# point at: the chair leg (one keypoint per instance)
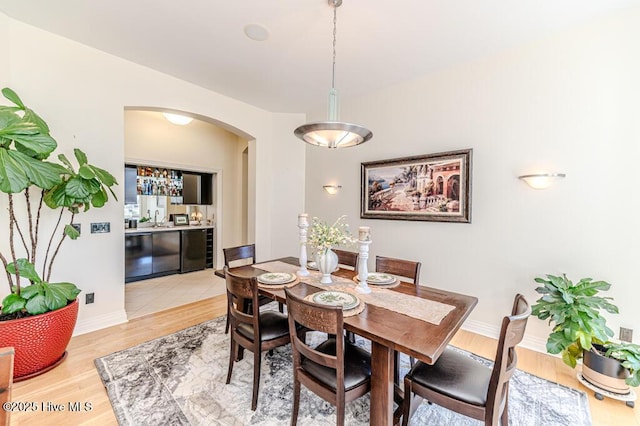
(228, 324)
(232, 358)
(406, 404)
(256, 378)
(505, 413)
(340, 413)
(351, 337)
(396, 367)
(296, 401)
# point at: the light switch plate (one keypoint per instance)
(100, 227)
(626, 334)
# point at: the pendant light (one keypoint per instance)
(333, 133)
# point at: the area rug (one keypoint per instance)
(180, 380)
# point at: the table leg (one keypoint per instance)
(381, 412)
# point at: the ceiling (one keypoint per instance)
(379, 43)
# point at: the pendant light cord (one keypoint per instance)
(333, 133)
(333, 71)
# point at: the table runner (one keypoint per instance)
(423, 309)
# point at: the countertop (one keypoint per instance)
(165, 228)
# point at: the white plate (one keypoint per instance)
(276, 278)
(336, 298)
(380, 278)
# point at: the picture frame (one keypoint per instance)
(180, 219)
(431, 187)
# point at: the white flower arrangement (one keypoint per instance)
(323, 237)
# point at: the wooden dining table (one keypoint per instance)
(388, 331)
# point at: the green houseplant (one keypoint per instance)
(574, 310)
(30, 183)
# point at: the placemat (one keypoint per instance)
(423, 309)
(345, 313)
(394, 284)
(279, 286)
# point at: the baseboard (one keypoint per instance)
(100, 322)
(530, 342)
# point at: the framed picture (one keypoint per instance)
(180, 219)
(433, 187)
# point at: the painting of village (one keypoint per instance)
(432, 187)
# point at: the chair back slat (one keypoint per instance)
(347, 258)
(245, 252)
(403, 268)
(240, 290)
(315, 317)
(511, 334)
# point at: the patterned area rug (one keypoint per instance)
(180, 380)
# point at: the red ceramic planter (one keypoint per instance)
(40, 341)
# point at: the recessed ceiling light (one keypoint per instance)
(256, 32)
(180, 120)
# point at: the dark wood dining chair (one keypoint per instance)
(6, 382)
(243, 255)
(335, 370)
(399, 267)
(256, 331)
(347, 258)
(466, 386)
(406, 269)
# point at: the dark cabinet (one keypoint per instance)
(166, 251)
(206, 189)
(158, 253)
(197, 188)
(138, 251)
(194, 250)
(210, 246)
(130, 185)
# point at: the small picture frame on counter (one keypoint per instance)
(181, 220)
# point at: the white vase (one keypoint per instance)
(327, 262)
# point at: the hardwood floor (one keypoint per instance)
(77, 380)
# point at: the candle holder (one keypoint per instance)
(363, 272)
(303, 224)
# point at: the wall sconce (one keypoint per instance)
(332, 189)
(541, 180)
(180, 120)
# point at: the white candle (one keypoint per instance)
(363, 233)
(302, 219)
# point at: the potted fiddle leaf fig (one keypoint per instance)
(580, 331)
(31, 185)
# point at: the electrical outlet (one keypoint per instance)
(77, 227)
(100, 227)
(89, 298)
(626, 334)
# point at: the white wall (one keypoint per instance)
(565, 104)
(4, 35)
(82, 93)
(288, 179)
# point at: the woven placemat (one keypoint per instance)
(394, 284)
(348, 313)
(279, 286)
